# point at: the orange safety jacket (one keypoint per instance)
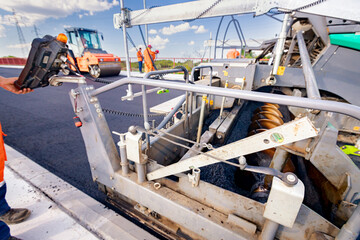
(2, 155)
(147, 60)
(139, 56)
(232, 54)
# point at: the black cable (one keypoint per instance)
(131, 41)
(143, 38)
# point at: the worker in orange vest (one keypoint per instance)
(149, 57)
(8, 215)
(233, 53)
(140, 59)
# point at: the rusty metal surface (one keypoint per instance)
(335, 165)
(228, 202)
(192, 215)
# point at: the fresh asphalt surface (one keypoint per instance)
(40, 125)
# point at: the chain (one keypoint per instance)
(205, 11)
(309, 5)
(126, 114)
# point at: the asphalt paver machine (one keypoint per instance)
(194, 176)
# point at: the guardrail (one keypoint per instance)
(12, 61)
(161, 63)
(166, 63)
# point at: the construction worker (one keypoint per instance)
(149, 57)
(140, 59)
(8, 215)
(233, 53)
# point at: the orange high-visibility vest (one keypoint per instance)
(232, 54)
(139, 56)
(148, 63)
(2, 155)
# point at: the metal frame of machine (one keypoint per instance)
(185, 207)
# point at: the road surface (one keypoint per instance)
(40, 125)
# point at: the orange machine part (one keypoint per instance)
(94, 59)
(62, 38)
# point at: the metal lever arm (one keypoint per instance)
(288, 177)
(290, 132)
(59, 80)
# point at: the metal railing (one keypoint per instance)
(162, 63)
(12, 61)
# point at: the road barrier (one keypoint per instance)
(12, 61)
(166, 63)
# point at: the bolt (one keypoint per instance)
(242, 160)
(111, 177)
(87, 88)
(98, 110)
(96, 105)
(93, 99)
(290, 178)
(91, 87)
(93, 168)
(100, 115)
(113, 188)
(307, 149)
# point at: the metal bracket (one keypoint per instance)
(122, 18)
(59, 80)
(194, 177)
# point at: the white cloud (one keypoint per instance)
(19, 46)
(2, 31)
(158, 42)
(133, 50)
(183, 27)
(191, 43)
(175, 29)
(201, 29)
(31, 11)
(152, 31)
(67, 26)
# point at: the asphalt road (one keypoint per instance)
(40, 125)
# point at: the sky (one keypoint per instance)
(173, 39)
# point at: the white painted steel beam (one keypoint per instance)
(209, 8)
(290, 132)
(347, 9)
